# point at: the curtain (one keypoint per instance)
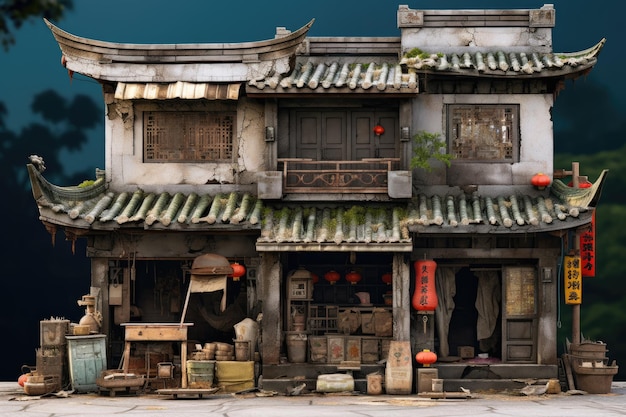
(488, 300)
(446, 290)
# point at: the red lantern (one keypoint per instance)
(540, 180)
(378, 130)
(581, 184)
(387, 278)
(332, 277)
(315, 278)
(426, 357)
(425, 293)
(238, 271)
(353, 277)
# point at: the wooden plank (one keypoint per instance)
(568, 372)
(187, 392)
(444, 395)
(156, 332)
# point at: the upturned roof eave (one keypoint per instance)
(109, 61)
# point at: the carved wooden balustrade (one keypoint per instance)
(369, 175)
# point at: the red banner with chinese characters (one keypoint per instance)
(588, 249)
(425, 293)
(573, 280)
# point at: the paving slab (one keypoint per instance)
(13, 402)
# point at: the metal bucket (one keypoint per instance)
(296, 347)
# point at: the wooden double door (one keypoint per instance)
(343, 135)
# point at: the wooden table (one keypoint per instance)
(157, 332)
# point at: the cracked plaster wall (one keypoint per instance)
(124, 148)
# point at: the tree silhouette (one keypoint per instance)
(14, 13)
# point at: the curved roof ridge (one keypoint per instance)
(62, 35)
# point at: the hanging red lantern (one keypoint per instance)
(332, 277)
(378, 130)
(315, 278)
(540, 180)
(425, 293)
(238, 271)
(426, 357)
(353, 277)
(387, 278)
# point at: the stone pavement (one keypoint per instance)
(13, 402)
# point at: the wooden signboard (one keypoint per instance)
(573, 280)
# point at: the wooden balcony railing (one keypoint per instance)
(302, 175)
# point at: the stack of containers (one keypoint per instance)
(591, 367)
(51, 355)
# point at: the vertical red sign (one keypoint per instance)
(588, 249)
(425, 294)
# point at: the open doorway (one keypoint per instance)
(475, 321)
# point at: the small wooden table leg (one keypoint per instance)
(183, 364)
(126, 357)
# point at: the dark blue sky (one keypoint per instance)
(33, 64)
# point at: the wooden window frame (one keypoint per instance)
(188, 136)
(464, 148)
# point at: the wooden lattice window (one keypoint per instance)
(188, 136)
(484, 132)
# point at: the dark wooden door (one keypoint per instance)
(343, 135)
(365, 143)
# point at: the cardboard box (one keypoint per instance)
(466, 352)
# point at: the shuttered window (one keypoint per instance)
(188, 136)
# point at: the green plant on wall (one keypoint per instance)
(427, 146)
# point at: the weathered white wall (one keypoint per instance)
(124, 148)
(536, 138)
(439, 31)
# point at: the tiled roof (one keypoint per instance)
(96, 208)
(502, 62)
(315, 75)
(318, 74)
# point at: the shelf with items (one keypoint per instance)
(299, 293)
(337, 348)
(323, 319)
(351, 320)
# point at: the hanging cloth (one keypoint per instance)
(446, 290)
(488, 299)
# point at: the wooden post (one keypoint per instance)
(576, 307)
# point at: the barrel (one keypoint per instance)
(296, 347)
(200, 374)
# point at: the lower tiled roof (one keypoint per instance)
(96, 208)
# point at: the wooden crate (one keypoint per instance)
(318, 349)
(353, 349)
(336, 348)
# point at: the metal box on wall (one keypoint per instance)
(87, 359)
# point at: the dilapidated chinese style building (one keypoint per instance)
(296, 158)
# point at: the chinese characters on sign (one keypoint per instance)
(573, 280)
(425, 294)
(588, 249)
